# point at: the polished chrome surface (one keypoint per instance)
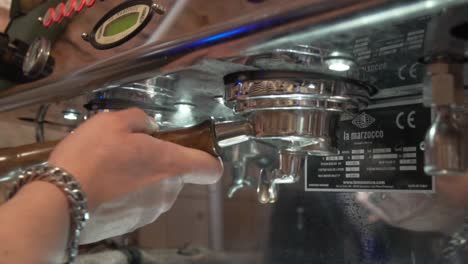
(299, 110)
(291, 168)
(161, 98)
(155, 97)
(155, 94)
(239, 180)
(266, 191)
(259, 165)
(230, 133)
(340, 62)
(319, 94)
(302, 57)
(275, 27)
(295, 130)
(246, 161)
(10, 176)
(446, 143)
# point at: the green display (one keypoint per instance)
(121, 24)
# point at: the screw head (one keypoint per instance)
(158, 8)
(85, 36)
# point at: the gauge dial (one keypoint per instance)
(122, 23)
(36, 57)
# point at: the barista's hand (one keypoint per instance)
(129, 177)
(443, 211)
(112, 155)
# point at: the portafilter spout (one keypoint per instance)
(291, 168)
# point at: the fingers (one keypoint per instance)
(194, 166)
(136, 120)
(209, 169)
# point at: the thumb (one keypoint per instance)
(136, 120)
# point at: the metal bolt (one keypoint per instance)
(158, 8)
(85, 36)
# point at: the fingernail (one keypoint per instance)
(153, 125)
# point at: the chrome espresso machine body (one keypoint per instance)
(337, 98)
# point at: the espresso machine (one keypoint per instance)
(331, 97)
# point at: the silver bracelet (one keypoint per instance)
(77, 199)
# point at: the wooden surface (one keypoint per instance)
(199, 137)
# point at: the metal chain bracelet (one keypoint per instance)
(77, 199)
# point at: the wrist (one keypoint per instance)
(81, 176)
(66, 183)
(46, 238)
(43, 195)
(55, 196)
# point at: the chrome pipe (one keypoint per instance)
(216, 202)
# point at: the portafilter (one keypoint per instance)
(295, 110)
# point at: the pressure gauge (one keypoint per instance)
(122, 23)
(37, 57)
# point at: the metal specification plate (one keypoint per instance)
(380, 150)
(391, 54)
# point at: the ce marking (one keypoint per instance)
(411, 71)
(409, 120)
